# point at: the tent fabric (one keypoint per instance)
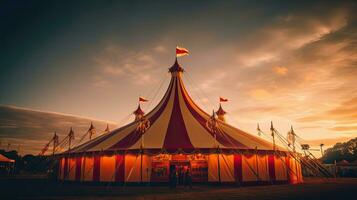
(120, 168)
(294, 172)
(178, 129)
(87, 168)
(5, 159)
(281, 168)
(107, 168)
(176, 124)
(72, 169)
(96, 168)
(271, 167)
(238, 168)
(262, 167)
(249, 168)
(231, 168)
(133, 168)
(78, 168)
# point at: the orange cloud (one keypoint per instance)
(280, 70)
(259, 94)
(344, 128)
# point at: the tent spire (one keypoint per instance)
(272, 133)
(91, 130)
(70, 137)
(107, 129)
(220, 113)
(258, 129)
(139, 113)
(176, 67)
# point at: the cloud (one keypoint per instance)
(136, 66)
(32, 129)
(343, 113)
(327, 141)
(160, 49)
(259, 94)
(280, 70)
(344, 128)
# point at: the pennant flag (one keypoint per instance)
(221, 99)
(181, 51)
(141, 99)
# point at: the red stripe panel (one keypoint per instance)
(271, 165)
(134, 136)
(78, 168)
(176, 135)
(65, 169)
(238, 174)
(222, 137)
(120, 168)
(127, 141)
(96, 168)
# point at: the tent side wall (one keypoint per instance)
(226, 168)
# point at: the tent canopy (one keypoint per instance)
(175, 124)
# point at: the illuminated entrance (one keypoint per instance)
(164, 165)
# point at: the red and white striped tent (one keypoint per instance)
(175, 136)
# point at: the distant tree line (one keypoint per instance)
(29, 163)
(341, 151)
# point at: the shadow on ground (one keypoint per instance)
(45, 189)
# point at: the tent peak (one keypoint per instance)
(176, 67)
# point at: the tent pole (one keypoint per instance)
(272, 134)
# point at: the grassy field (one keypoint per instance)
(42, 189)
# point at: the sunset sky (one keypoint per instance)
(290, 62)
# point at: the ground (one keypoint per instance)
(21, 188)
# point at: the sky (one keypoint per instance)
(290, 62)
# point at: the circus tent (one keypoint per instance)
(175, 136)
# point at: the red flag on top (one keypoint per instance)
(142, 99)
(221, 99)
(181, 51)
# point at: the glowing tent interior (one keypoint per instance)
(175, 136)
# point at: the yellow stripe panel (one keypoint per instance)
(226, 163)
(227, 167)
(132, 168)
(71, 169)
(113, 139)
(107, 168)
(246, 139)
(192, 104)
(249, 168)
(280, 168)
(199, 136)
(87, 168)
(263, 170)
(154, 137)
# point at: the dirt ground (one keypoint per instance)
(44, 189)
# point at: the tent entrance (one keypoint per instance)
(180, 168)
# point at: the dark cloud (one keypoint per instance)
(32, 129)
